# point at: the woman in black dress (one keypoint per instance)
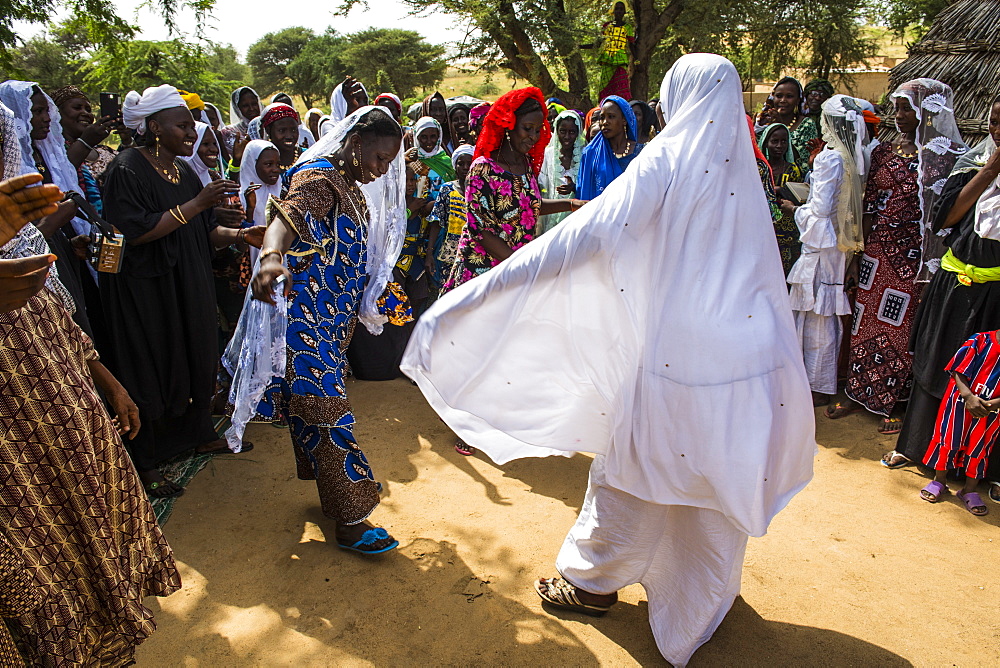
(161, 307)
(954, 306)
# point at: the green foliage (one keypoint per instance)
(139, 64)
(46, 61)
(402, 56)
(270, 56)
(906, 16)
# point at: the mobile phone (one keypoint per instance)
(110, 105)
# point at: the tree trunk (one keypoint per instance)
(650, 27)
(564, 39)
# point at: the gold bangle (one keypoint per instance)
(181, 214)
(176, 217)
(271, 251)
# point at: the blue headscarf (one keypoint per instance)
(598, 164)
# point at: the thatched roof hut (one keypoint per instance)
(962, 49)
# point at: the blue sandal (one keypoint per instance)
(371, 537)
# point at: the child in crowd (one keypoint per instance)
(447, 221)
(410, 271)
(967, 421)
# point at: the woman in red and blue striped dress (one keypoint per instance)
(967, 422)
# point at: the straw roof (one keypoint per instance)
(962, 49)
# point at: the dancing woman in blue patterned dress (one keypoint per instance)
(320, 229)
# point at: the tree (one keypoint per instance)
(97, 19)
(138, 64)
(402, 56)
(46, 61)
(903, 15)
(318, 68)
(270, 56)
(224, 61)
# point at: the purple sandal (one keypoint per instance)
(973, 503)
(933, 492)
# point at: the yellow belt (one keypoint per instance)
(967, 273)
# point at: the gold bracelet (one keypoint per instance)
(181, 214)
(178, 219)
(271, 251)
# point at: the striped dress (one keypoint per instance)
(960, 440)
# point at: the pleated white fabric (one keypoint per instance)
(819, 336)
(689, 561)
(652, 326)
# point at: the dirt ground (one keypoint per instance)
(857, 571)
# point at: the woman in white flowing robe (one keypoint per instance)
(653, 329)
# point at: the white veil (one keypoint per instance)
(939, 145)
(844, 131)
(194, 160)
(652, 326)
(386, 198)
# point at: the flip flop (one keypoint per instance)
(153, 486)
(890, 426)
(224, 450)
(994, 492)
(464, 448)
(934, 490)
(891, 455)
(371, 537)
(973, 503)
(843, 410)
(559, 593)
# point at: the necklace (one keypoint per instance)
(174, 178)
(901, 154)
(285, 168)
(628, 149)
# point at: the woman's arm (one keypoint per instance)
(559, 206)
(496, 247)
(277, 240)
(126, 412)
(209, 196)
(972, 190)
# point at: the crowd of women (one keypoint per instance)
(266, 242)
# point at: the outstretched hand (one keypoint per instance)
(21, 204)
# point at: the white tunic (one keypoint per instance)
(817, 277)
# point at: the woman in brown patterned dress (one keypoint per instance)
(72, 510)
(902, 181)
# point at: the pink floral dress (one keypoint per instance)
(499, 202)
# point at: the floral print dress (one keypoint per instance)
(500, 202)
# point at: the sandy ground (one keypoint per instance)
(857, 571)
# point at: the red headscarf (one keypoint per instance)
(756, 149)
(501, 118)
(588, 121)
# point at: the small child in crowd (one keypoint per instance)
(967, 421)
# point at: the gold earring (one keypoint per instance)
(356, 161)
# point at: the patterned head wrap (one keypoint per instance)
(392, 98)
(477, 113)
(277, 111)
(67, 93)
(502, 118)
(821, 86)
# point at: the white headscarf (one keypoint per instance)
(16, 96)
(463, 149)
(423, 123)
(338, 104)
(197, 164)
(218, 115)
(552, 171)
(236, 117)
(137, 108)
(939, 143)
(843, 126)
(249, 176)
(697, 395)
(386, 199)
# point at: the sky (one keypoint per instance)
(243, 22)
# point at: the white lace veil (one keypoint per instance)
(194, 160)
(843, 127)
(16, 95)
(938, 143)
(386, 199)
